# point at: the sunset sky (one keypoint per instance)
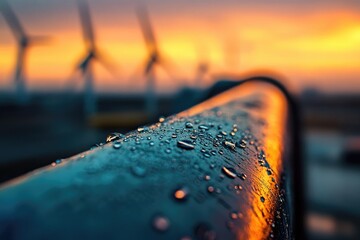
(311, 44)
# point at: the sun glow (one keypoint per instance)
(317, 46)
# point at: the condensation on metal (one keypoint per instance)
(147, 184)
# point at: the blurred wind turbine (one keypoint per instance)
(203, 66)
(85, 65)
(202, 71)
(153, 60)
(24, 41)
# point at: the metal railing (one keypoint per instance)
(220, 170)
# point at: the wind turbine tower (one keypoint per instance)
(86, 63)
(153, 60)
(24, 41)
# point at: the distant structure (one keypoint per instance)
(24, 41)
(85, 65)
(154, 59)
(202, 71)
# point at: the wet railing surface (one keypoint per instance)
(215, 171)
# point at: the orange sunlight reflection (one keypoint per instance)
(275, 114)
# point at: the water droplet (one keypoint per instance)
(242, 145)
(174, 135)
(53, 164)
(207, 155)
(189, 125)
(58, 161)
(262, 199)
(161, 223)
(229, 144)
(116, 145)
(238, 187)
(138, 171)
(207, 177)
(203, 127)
(140, 129)
(113, 136)
(211, 189)
(223, 133)
(243, 176)
(261, 155)
(151, 143)
(97, 146)
(168, 150)
(161, 119)
(268, 171)
(185, 144)
(230, 172)
(181, 194)
(234, 215)
(193, 136)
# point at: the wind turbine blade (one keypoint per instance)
(83, 63)
(138, 73)
(149, 66)
(146, 29)
(107, 64)
(12, 20)
(40, 39)
(86, 23)
(169, 67)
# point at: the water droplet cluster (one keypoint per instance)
(212, 157)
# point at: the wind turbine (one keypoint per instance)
(202, 71)
(203, 66)
(153, 60)
(85, 64)
(24, 41)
